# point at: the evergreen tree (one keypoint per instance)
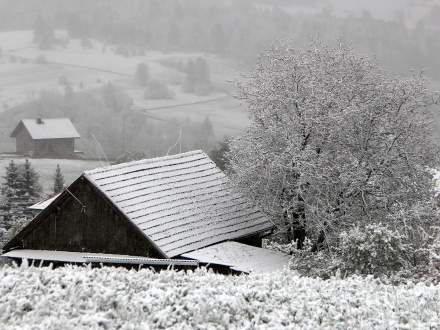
(13, 204)
(218, 37)
(207, 128)
(203, 75)
(111, 98)
(10, 179)
(142, 74)
(191, 77)
(174, 36)
(198, 77)
(28, 183)
(58, 185)
(44, 34)
(218, 154)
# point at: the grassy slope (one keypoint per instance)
(108, 298)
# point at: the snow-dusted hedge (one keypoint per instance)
(107, 298)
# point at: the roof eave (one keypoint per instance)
(56, 138)
(15, 131)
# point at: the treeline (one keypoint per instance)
(19, 189)
(236, 29)
(109, 126)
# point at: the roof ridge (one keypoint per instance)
(144, 161)
(47, 118)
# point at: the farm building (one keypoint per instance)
(173, 207)
(50, 138)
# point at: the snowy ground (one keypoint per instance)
(81, 298)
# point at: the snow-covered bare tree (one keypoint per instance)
(334, 141)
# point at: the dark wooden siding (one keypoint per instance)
(99, 228)
(253, 240)
(55, 147)
(24, 142)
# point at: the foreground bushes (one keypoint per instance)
(374, 249)
(371, 250)
(81, 298)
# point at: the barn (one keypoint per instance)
(50, 138)
(179, 207)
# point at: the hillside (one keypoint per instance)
(26, 71)
(69, 80)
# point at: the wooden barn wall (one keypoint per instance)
(98, 229)
(253, 240)
(24, 142)
(55, 147)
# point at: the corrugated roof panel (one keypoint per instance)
(181, 202)
(87, 257)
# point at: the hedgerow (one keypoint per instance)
(110, 298)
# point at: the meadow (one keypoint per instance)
(26, 71)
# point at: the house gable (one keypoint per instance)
(81, 219)
(181, 202)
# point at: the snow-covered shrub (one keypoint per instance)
(3, 237)
(7, 234)
(17, 226)
(288, 248)
(425, 260)
(109, 298)
(157, 90)
(322, 264)
(373, 249)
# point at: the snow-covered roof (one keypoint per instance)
(86, 257)
(181, 202)
(48, 128)
(43, 204)
(240, 257)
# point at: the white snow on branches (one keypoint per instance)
(108, 298)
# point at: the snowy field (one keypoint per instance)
(108, 298)
(23, 77)
(70, 168)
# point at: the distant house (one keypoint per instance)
(41, 137)
(172, 207)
